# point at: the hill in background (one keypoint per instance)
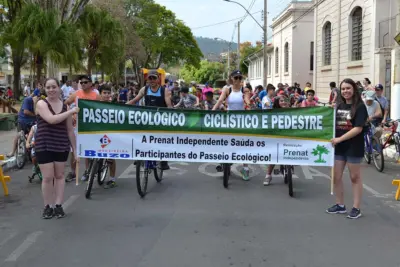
(209, 45)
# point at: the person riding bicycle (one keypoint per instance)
(154, 95)
(236, 99)
(281, 101)
(187, 101)
(375, 113)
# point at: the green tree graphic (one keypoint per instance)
(319, 151)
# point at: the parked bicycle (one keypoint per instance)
(143, 170)
(97, 168)
(393, 138)
(373, 149)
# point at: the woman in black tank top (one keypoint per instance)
(53, 140)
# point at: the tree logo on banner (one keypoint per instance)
(319, 151)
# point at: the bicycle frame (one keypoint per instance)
(368, 143)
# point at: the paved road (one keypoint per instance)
(191, 220)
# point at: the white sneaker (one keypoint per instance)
(267, 180)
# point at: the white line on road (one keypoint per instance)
(69, 201)
(29, 241)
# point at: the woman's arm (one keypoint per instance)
(350, 134)
(221, 99)
(71, 136)
(168, 101)
(29, 139)
(43, 111)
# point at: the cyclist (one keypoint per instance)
(236, 99)
(281, 101)
(154, 95)
(373, 108)
(105, 94)
(87, 92)
(187, 101)
(384, 103)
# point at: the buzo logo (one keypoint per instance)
(105, 141)
(93, 153)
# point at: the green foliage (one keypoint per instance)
(246, 50)
(208, 72)
(166, 39)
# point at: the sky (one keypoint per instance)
(197, 14)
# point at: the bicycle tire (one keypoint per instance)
(92, 173)
(290, 180)
(379, 150)
(227, 172)
(21, 144)
(158, 172)
(102, 173)
(141, 188)
(367, 155)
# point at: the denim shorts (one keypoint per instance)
(352, 160)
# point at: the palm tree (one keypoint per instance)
(102, 37)
(44, 36)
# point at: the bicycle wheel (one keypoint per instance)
(92, 173)
(377, 154)
(102, 173)
(285, 175)
(290, 180)
(141, 182)
(227, 173)
(367, 155)
(21, 151)
(158, 172)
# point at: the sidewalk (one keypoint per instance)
(6, 143)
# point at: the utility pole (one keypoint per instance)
(238, 48)
(395, 90)
(229, 59)
(265, 82)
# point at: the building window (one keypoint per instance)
(287, 57)
(327, 41)
(356, 34)
(276, 61)
(312, 56)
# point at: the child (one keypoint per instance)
(210, 102)
(268, 100)
(105, 95)
(30, 144)
(309, 101)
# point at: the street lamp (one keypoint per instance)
(264, 31)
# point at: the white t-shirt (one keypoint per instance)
(66, 91)
(267, 102)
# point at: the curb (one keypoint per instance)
(9, 164)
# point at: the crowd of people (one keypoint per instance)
(52, 109)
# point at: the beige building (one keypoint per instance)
(290, 56)
(353, 39)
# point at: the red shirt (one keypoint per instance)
(9, 93)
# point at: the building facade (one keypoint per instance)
(290, 56)
(354, 39)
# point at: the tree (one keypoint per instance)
(246, 49)
(208, 72)
(102, 37)
(319, 151)
(166, 40)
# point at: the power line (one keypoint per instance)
(249, 9)
(222, 22)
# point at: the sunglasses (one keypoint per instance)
(238, 78)
(152, 78)
(85, 82)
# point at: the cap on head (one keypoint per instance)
(236, 73)
(152, 73)
(379, 87)
(370, 95)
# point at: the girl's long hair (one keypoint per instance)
(355, 99)
(276, 100)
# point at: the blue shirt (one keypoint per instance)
(261, 96)
(123, 95)
(26, 105)
(36, 92)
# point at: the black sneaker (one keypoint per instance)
(336, 209)
(59, 212)
(48, 212)
(164, 166)
(354, 214)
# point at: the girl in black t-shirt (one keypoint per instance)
(351, 117)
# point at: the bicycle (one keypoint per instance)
(89, 172)
(393, 138)
(373, 149)
(287, 171)
(226, 169)
(21, 154)
(99, 168)
(148, 167)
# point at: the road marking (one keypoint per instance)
(29, 241)
(127, 173)
(69, 201)
(310, 173)
(202, 169)
(372, 191)
(8, 238)
(130, 172)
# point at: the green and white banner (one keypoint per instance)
(283, 136)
